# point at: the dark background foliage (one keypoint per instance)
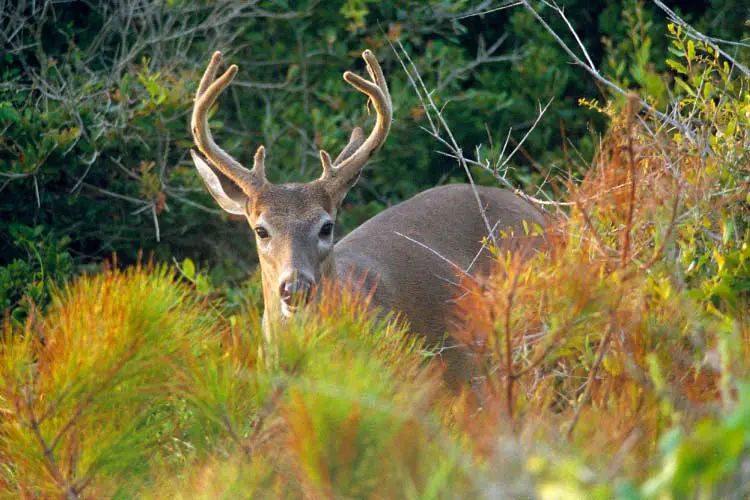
(95, 98)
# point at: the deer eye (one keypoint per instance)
(326, 230)
(261, 232)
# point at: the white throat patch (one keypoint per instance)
(286, 311)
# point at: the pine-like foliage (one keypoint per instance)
(84, 390)
(130, 385)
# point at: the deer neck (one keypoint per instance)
(328, 267)
(271, 299)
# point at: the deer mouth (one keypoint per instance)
(287, 310)
(295, 294)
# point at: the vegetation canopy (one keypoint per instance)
(612, 363)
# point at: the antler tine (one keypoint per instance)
(376, 73)
(208, 91)
(210, 74)
(325, 159)
(351, 162)
(355, 141)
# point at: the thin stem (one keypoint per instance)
(590, 381)
(595, 73)
(508, 341)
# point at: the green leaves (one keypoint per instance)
(46, 263)
(188, 269)
(677, 66)
(708, 459)
(8, 114)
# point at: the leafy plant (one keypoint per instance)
(46, 263)
(84, 390)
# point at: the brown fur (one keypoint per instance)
(402, 275)
(413, 280)
(410, 257)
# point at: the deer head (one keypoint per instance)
(294, 222)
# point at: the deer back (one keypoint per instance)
(421, 249)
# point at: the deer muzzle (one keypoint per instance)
(296, 291)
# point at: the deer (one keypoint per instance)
(409, 257)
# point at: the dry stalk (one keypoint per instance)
(630, 112)
(508, 340)
(584, 399)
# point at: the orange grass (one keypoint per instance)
(594, 340)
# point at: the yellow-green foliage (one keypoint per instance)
(345, 406)
(84, 390)
(614, 361)
(132, 385)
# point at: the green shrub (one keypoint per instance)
(84, 390)
(95, 101)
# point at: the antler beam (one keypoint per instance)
(208, 91)
(342, 173)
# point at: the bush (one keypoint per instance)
(614, 362)
(96, 98)
(85, 389)
(632, 323)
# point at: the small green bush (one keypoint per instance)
(84, 390)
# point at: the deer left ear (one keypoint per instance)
(227, 194)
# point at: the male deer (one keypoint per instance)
(408, 255)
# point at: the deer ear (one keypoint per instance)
(227, 194)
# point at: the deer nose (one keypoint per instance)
(297, 290)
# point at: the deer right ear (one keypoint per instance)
(228, 195)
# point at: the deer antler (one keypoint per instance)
(342, 173)
(355, 141)
(208, 91)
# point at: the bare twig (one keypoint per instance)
(450, 142)
(539, 116)
(482, 10)
(437, 254)
(484, 56)
(697, 35)
(584, 399)
(632, 99)
(593, 71)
